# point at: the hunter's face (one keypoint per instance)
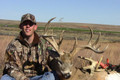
(28, 28)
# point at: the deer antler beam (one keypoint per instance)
(94, 49)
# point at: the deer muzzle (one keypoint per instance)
(67, 75)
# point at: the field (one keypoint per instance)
(110, 34)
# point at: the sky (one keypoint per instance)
(78, 11)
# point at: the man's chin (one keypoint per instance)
(28, 35)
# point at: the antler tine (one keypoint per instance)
(52, 42)
(61, 38)
(99, 63)
(91, 36)
(85, 58)
(97, 40)
(46, 26)
(75, 49)
(57, 47)
(51, 39)
(93, 46)
(95, 49)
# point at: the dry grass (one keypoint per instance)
(112, 53)
(4, 41)
(113, 39)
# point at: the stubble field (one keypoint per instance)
(112, 53)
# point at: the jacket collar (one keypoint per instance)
(36, 39)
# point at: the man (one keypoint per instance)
(25, 57)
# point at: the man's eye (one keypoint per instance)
(25, 23)
(31, 24)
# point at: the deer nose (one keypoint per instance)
(67, 75)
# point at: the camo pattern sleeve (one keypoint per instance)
(47, 47)
(12, 63)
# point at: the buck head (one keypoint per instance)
(59, 60)
(65, 65)
(62, 65)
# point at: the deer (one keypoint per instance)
(93, 67)
(60, 60)
(99, 73)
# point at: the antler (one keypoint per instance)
(94, 64)
(99, 63)
(46, 26)
(51, 39)
(93, 46)
(57, 46)
(75, 49)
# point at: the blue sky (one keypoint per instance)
(80, 11)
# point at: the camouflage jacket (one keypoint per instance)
(23, 59)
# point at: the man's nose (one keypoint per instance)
(27, 25)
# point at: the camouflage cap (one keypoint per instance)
(28, 16)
